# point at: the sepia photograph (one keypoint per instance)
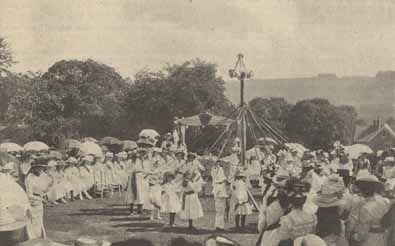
(197, 123)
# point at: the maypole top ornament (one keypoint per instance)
(240, 71)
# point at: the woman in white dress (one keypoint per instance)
(58, 191)
(240, 198)
(191, 208)
(155, 178)
(297, 223)
(36, 188)
(72, 174)
(86, 176)
(138, 185)
(171, 202)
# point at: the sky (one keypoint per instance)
(279, 38)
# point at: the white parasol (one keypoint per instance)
(35, 146)
(90, 148)
(298, 147)
(354, 151)
(149, 133)
(11, 147)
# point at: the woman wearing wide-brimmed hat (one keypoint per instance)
(155, 177)
(330, 202)
(72, 175)
(36, 188)
(369, 230)
(171, 202)
(240, 198)
(221, 196)
(298, 222)
(137, 191)
(86, 175)
(57, 193)
(191, 208)
(275, 205)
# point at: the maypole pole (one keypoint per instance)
(240, 72)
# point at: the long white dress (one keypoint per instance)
(369, 230)
(293, 225)
(58, 190)
(191, 208)
(240, 198)
(137, 185)
(14, 197)
(171, 202)
(87, 178)
(36, 187)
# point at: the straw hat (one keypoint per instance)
(281, 178)
(52, 163)
(86, 242)
(7, 222)
(331, 193)
(297, 188)
(146, 141)
(309, 240)
(88, 158)
(109, 155)
(389, 159)
(365, 176)
(122, 154)
(219, 241)
(240, 173)
(72, 160)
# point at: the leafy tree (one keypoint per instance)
(156, 98)
(274, 110)
(317, 123)
(72, 99)
(6, 58)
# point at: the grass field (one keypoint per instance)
(109, 219)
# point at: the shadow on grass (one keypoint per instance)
(141, 227)
(246, 230)
(133, 241)
(124, 219)
(185, 230)
(102, 212)
(120, 205)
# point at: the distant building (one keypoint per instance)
(377, 136)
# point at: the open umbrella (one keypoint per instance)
(35, 146)
(298, 147)
(11, 147)
(72, 144)
(89, 148)
(111, 141)
(129, 145)
(89, 139)
(149, 133)
(354, 151)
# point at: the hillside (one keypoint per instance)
(371, 96)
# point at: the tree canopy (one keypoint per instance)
(318, 124)
(6, 58)
(156, 98)
(86, 98)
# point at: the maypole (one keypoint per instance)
(240, 72)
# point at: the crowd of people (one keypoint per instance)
(323, 197)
